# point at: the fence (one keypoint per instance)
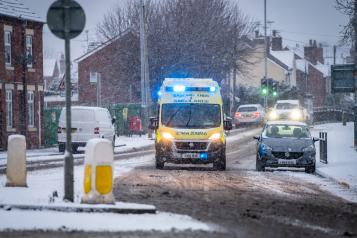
(331, 114)
(323, 147)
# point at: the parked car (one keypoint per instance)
(286, 144)
(249, 114)
(289, 110)
(87, 123)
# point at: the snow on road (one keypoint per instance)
(43, 183)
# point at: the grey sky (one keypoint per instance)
(297, 20)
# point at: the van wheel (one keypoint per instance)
(113, 142)
(159, 163)
(220, 163)
(74, 149)
(61, 147)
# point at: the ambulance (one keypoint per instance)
(190, 124)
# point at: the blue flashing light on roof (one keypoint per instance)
(179, 88)
(212, 89)
(159, 93)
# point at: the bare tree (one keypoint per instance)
(347, 8)
(196, 38)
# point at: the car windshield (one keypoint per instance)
(79, 115)
(191, 115)
(286, 106)
(248, 109)
(283, 131)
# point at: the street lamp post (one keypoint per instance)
(265, 53)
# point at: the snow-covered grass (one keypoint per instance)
(341, 155)
(40, 190)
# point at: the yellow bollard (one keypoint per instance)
(98, 172)
(16, 161)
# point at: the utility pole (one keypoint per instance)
(265, 54)
(355, 71)
(24, 79)
(334, 54)
(144, 67)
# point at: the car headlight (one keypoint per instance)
(296, 115)
(273, 115)
(215, 136)
(167, 136)
(264, 149)
(309, 148)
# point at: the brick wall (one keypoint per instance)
(120, 73)
(13, 76)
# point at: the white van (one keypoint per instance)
(87, 123)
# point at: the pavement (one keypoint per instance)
(341, 155)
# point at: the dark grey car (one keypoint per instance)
(286, 144)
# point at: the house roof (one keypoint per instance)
(19, 9)
(284, 56)
(101, 46)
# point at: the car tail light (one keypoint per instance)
(238, 114)
(256, 114)
(59, 129)
(96, 130)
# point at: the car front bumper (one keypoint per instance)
(301, 162)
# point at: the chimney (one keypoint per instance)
(62, 64)
(276, 42)
(314, 53)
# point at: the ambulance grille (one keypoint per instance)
(191, 145)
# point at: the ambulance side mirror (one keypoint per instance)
(154, 123)
(227, 124)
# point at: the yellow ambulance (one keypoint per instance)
(190, 125)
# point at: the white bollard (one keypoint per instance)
(16, 161)
(98, 172)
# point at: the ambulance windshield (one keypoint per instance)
(191, 115)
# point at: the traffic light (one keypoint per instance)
(264, 91)
(264, 86)
(274, 88)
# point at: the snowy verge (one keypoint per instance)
(341, 155)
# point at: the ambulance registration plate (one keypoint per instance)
(190, 155)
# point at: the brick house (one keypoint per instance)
(304, 71)
(115, 67)
(21, 61)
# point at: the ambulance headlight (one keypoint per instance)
(179, 88)
(296, 115)
(167, 136)
(212, 89)
(215, 136)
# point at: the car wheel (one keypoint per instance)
(61, 147)
(259, 165)
(220, 163)
(159, 163)
(310, 169)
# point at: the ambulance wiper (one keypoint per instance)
(172, 116)
(189, 118)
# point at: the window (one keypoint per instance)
(9, 108)
(30, 109)
(7, 40)
(29, 50)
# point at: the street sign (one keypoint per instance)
(342, 78)
(56, 18)
(66, 20)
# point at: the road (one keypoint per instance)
(238, 202)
